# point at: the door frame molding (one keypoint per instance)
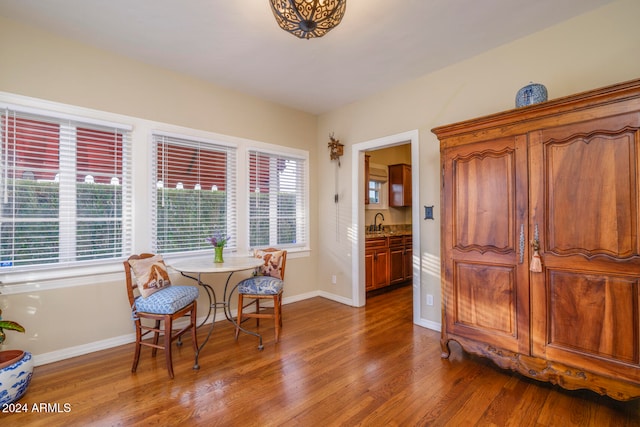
(357, 213)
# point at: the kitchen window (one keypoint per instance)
(375, 190)
(377, 187)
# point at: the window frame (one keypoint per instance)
(188, 140)
(139, 206)
(302, 203)
(47, 112)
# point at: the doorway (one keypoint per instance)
(358, 213)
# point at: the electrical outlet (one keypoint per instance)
(333, 279)
(429, 299)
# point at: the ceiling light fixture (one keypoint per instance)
(308, 18)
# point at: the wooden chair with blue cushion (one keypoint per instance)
(267, 283)
(151, 296)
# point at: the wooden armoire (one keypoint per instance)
(541, 239)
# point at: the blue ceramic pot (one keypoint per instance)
(532, 93)
(16, 369)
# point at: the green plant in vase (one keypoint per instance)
(218, 241)
(16, 367)
(9, 325)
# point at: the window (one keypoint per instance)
(375, 189)
(378, 194)
(65, 190)
(277, 200)
(194, 193)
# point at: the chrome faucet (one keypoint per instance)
(377, 227)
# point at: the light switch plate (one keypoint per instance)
(428, 212)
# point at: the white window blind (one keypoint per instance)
(194, 193)
(277, 200)
(65, 188)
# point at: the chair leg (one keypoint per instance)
(136, 356)
(276, 313)
(156, 338)
(239, 318)
(280, 304)
(167, 344)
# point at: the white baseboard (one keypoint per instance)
(79, 350)
(336, 298)
(429, 324)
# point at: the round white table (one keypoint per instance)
(195, 268)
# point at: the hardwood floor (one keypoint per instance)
(334, 365)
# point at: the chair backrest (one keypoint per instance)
(283, 263)
(132, 283)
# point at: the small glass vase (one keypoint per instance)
(217, 258)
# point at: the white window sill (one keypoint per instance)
(32, 281)
(35, 281)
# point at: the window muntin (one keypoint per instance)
(194, 193)
(63, 186)
(277, 200)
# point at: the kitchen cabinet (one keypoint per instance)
(399, 185)
(408, 258)
(388, 261)
(556, 182)
(400, 259)
(376, 261)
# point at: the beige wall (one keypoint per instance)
(39, 65)
(590, 51)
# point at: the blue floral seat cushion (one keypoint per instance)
(167, 300)
(261, 285)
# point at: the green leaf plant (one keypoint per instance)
(9, 325)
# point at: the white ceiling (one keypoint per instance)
(237, 43)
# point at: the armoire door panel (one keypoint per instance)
(592, 199)
(589, 313)
(484, 186)
(485, 297)
(585, 199)
(485, 266)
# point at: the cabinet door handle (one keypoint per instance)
(521, 248)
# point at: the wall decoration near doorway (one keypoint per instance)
(336, 150)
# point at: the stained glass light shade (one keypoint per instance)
(308, 18)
